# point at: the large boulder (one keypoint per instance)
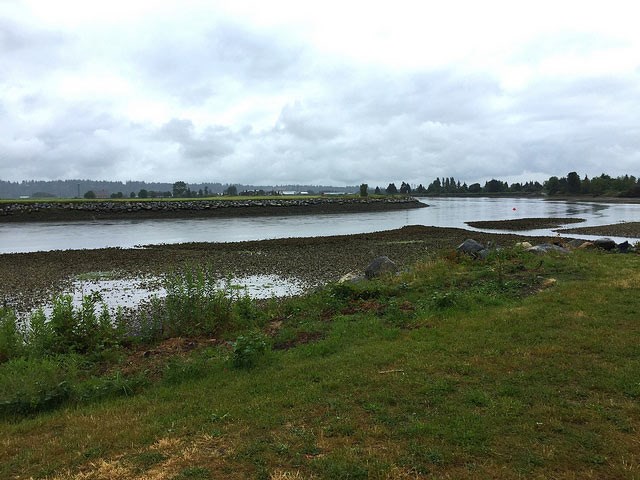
(625, 247)
(605, 244)
(473, 248)
(380, 266)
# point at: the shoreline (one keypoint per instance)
(28, 278)
(206, 208)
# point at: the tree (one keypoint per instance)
(377, 191)
(392, 189)
(405, 189)
(573, 183)
(495, 186)
(90, 194)
(552, 186)
(364, 190)
(132, 195)
(231, 191)
(180, 189)
(435, 186)
(143, 193)
(475, 188)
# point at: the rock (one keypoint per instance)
(586, 246)
(471, 247)
(352, 277)
(524, 245)
(575, 243)
(624, 247)
(548, 247)
(605, 244)
(380, 266)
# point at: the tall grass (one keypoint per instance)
(54, 359)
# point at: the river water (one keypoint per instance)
(442, 212)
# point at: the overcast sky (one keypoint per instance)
(327, 92)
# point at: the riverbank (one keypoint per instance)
(519, 366)
(28, 278)
(57, 211)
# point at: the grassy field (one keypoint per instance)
(516, 367)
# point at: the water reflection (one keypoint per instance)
(130, 293)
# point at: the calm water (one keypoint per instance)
(442, 212)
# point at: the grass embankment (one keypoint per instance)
(518, 366)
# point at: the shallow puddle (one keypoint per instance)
(131, 293)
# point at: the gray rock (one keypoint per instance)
(624, 247)
(352, 277)
(548, 247)
(575, 243)
(605, 244)
(380, 266)
(471, 247)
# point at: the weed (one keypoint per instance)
(248, 348)
(11, 339)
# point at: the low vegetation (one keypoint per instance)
(510, 367)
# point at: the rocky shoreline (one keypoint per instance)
(137, 209)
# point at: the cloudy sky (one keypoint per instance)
(326, 92)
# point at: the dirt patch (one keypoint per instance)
(626, 229)
(301, 338)
(522, 224)
(153, 360)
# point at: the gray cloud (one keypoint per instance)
(228, 101)
(212, 63)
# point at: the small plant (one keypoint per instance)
(248, 348)
(442, 300)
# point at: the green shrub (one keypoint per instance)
(71, 329)
(248, 348)
(11, 338)
(40, 337)
(195, 304)
(33, 385)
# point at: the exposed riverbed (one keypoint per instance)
(28, 278)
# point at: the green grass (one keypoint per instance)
(456, 369)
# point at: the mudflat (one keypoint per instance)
(30, 277)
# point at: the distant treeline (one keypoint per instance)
(137, 189)
(572, 184)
